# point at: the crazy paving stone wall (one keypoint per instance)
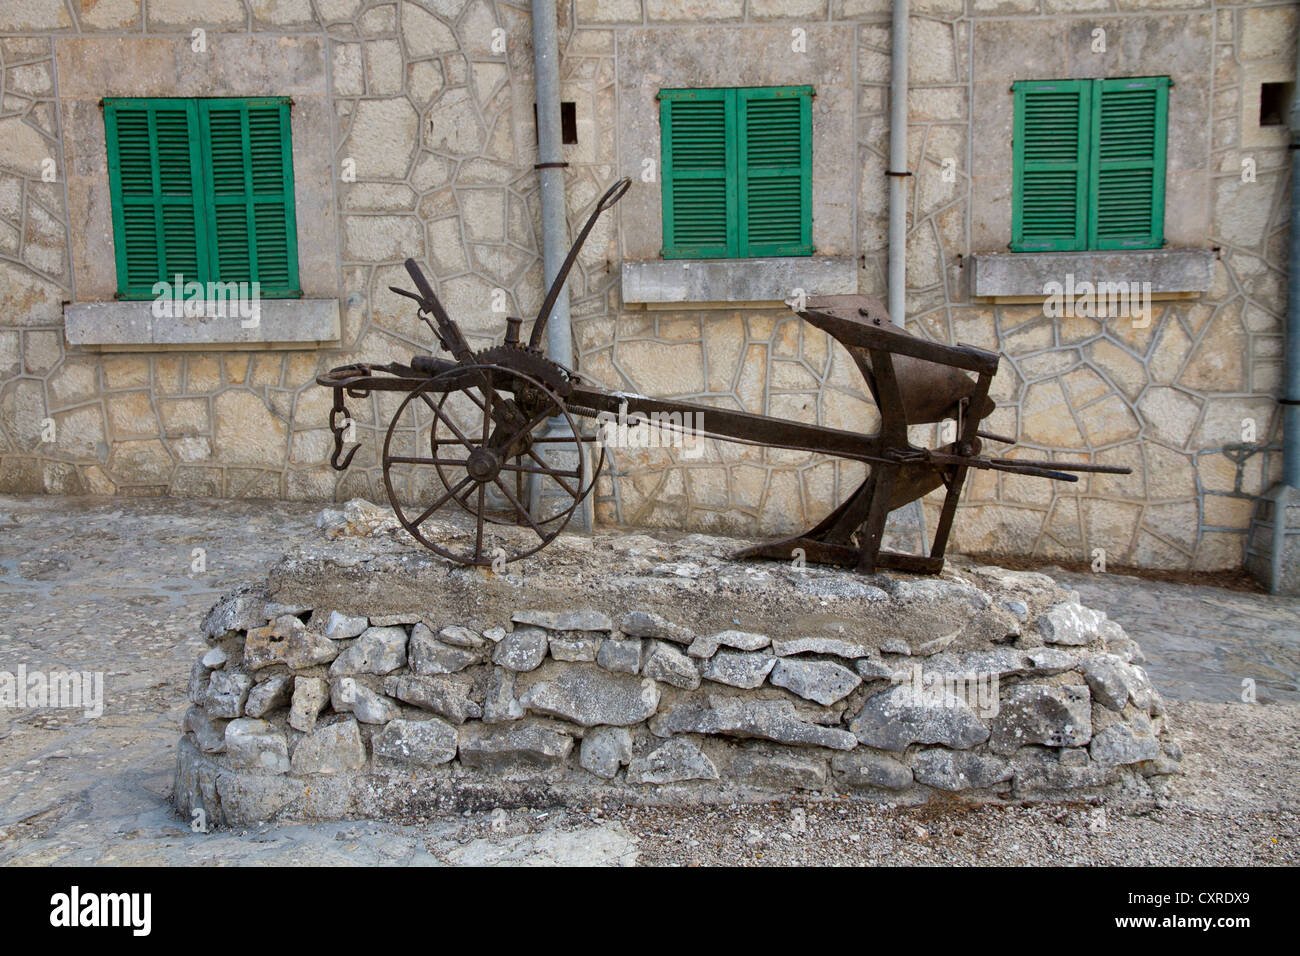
(414, 135)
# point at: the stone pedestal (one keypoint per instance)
(366, 677)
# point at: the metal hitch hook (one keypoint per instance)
(338, 431)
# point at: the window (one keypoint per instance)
(737, 172)
(1089, 164)
(568, 123)
(1274, 103)
(202, 188)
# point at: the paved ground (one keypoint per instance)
(1201, 643)
(120, 585)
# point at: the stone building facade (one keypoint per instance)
(413, 135)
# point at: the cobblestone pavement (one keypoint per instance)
(1201, 643)
(119, 586)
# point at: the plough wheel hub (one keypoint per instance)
(482, 465)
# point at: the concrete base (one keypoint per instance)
(1273, 548)
(546, 499)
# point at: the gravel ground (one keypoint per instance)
(95, 584)
(1235, 805)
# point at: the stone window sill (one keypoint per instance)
(132, 327)
(1023, 275)
(723, 283)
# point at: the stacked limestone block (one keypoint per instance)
(312, 711)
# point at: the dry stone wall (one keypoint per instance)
(416, 698)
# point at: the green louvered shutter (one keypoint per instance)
(1050, 165)
(699, 185)
(1128, 163)
(155, 187)
(203, 189)
(774, 188)
(737, 172)
(252, 230)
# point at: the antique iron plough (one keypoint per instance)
(480, 431)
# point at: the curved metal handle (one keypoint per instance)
(614, 194)
(607, 201)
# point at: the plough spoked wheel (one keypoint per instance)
(528, 454)
(486, 456)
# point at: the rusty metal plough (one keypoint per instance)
(479, 432)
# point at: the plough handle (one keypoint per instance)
(607, 201)
(612, 195)
(1067, 466)
(421, 283)
(448, 332)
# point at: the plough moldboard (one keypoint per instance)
(494, 433)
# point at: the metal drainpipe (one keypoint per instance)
(1291, 410)
(898, 166)
(1280, 495)
(898, 197)
(555, 232)
(546, 68)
